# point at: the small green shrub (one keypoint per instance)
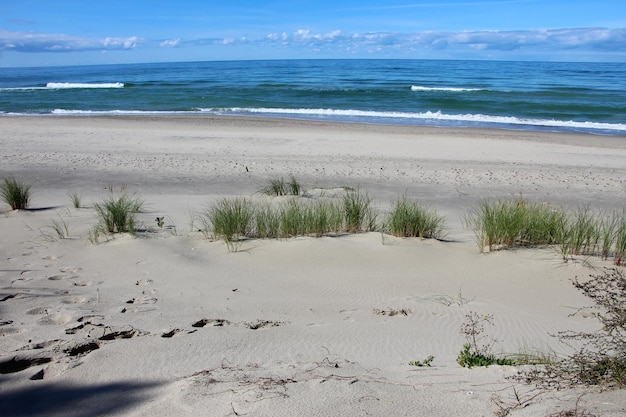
(15, 193)
(601, 360)
(477, 349)
(426, 362)
(117, 215)
(409, 219)
(468, 358)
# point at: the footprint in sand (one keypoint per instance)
(259, 324)
(18, 364)
(170, 333)
(37, 311)
(5, 331)
(43, 345)
(55, 318)
(82, 348)
(212, 322)
(70, 269)
(56, 277)
(144, 281)
(74, 300)
(142, 300)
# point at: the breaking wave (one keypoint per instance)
(450, 89)
(62, 86)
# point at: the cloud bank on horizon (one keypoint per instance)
(398, 29)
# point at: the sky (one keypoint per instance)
(86, 32)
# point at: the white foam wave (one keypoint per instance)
(84, 85)
(450, 89)
(61, 86)
(21, 88)
(434, 118)
(105, 112)
(475, 119)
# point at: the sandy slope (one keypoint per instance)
(169, 323)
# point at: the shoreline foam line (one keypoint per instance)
(373, 117)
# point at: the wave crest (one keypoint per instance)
(449, 89)
(438, 116)
(84, 85)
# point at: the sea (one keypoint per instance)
(544, 96)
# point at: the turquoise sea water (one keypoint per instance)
(587, 97)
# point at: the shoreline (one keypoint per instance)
(304, 121)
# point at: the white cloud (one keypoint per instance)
(546, 41)
(170, 43)
(41, 42)
(584, 39)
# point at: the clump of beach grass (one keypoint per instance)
(510, 223)
(15, 193)
(410, 219)
(57, 231)
(75, 199)
(230, 220)
(359, 214)
(234, 219)
(117, 215)
(620, 242)
(513, 223)
(278, 187)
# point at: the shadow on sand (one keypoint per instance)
(55, 399)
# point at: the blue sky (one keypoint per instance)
(76, 32)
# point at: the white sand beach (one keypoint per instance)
(169, 323)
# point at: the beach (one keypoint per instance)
(168, 322)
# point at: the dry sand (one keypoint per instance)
(170, 324)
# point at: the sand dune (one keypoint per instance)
(170, 323)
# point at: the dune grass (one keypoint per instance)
(514, 223)
(510, 223)
(278, 187)
(360, 216)
(117, 215)
(410, 219)
(231, 220)
(620, 242)
(75, 199)
(234, 219)
(15, 193)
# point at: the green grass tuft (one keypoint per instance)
(75, 198)
(15, 193)
(118, 215)
(359, 214)
(230, 220)
(510, 223)
(409, 219)
(278, 187)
